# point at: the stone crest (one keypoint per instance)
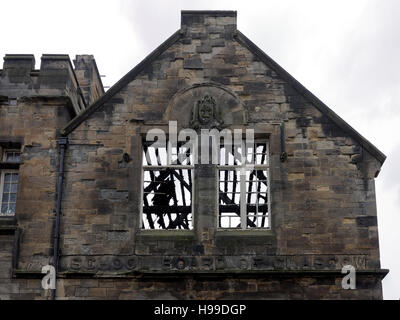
(206, 114)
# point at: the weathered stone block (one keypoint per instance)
(193, 63)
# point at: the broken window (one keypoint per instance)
(244, 186)
(9, 183)
(167, 187)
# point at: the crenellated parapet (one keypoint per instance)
(55, 78)
(88, 77)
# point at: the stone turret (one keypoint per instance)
(88, 77)
(55, 78)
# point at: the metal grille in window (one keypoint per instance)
(167, 187)
(244, 187)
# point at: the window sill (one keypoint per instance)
(164, 234)
(9, 219)
(245, 233)
(8, 224)
(10, 165)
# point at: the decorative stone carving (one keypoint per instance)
(206, 114)
(226, 109)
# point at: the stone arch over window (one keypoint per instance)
(230, 109)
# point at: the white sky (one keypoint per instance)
(345, 52)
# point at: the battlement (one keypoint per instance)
(19, 61)
(56, 77)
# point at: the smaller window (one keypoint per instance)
(9, 183)
(12, 102)
(12, 156)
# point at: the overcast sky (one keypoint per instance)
(345, 52)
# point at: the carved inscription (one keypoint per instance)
(115, 264)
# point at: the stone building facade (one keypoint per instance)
(91, 201)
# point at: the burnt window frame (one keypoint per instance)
(243, 191)
(167, 166)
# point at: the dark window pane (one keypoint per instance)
(14, 187)
(7, 177)
(4, 208)
(13, 197)
(5, 197)
(11, 208)
(15, 177)
(6, 188)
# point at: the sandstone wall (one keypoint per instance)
(323, 202)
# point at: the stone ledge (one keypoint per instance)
(10, 165)
(245, 233)
(164, 234)
(25, 274)
(8, 225)
(381, 273)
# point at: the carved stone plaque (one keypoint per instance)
(206, 114)
(206, 106)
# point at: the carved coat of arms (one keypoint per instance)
(206, 114)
